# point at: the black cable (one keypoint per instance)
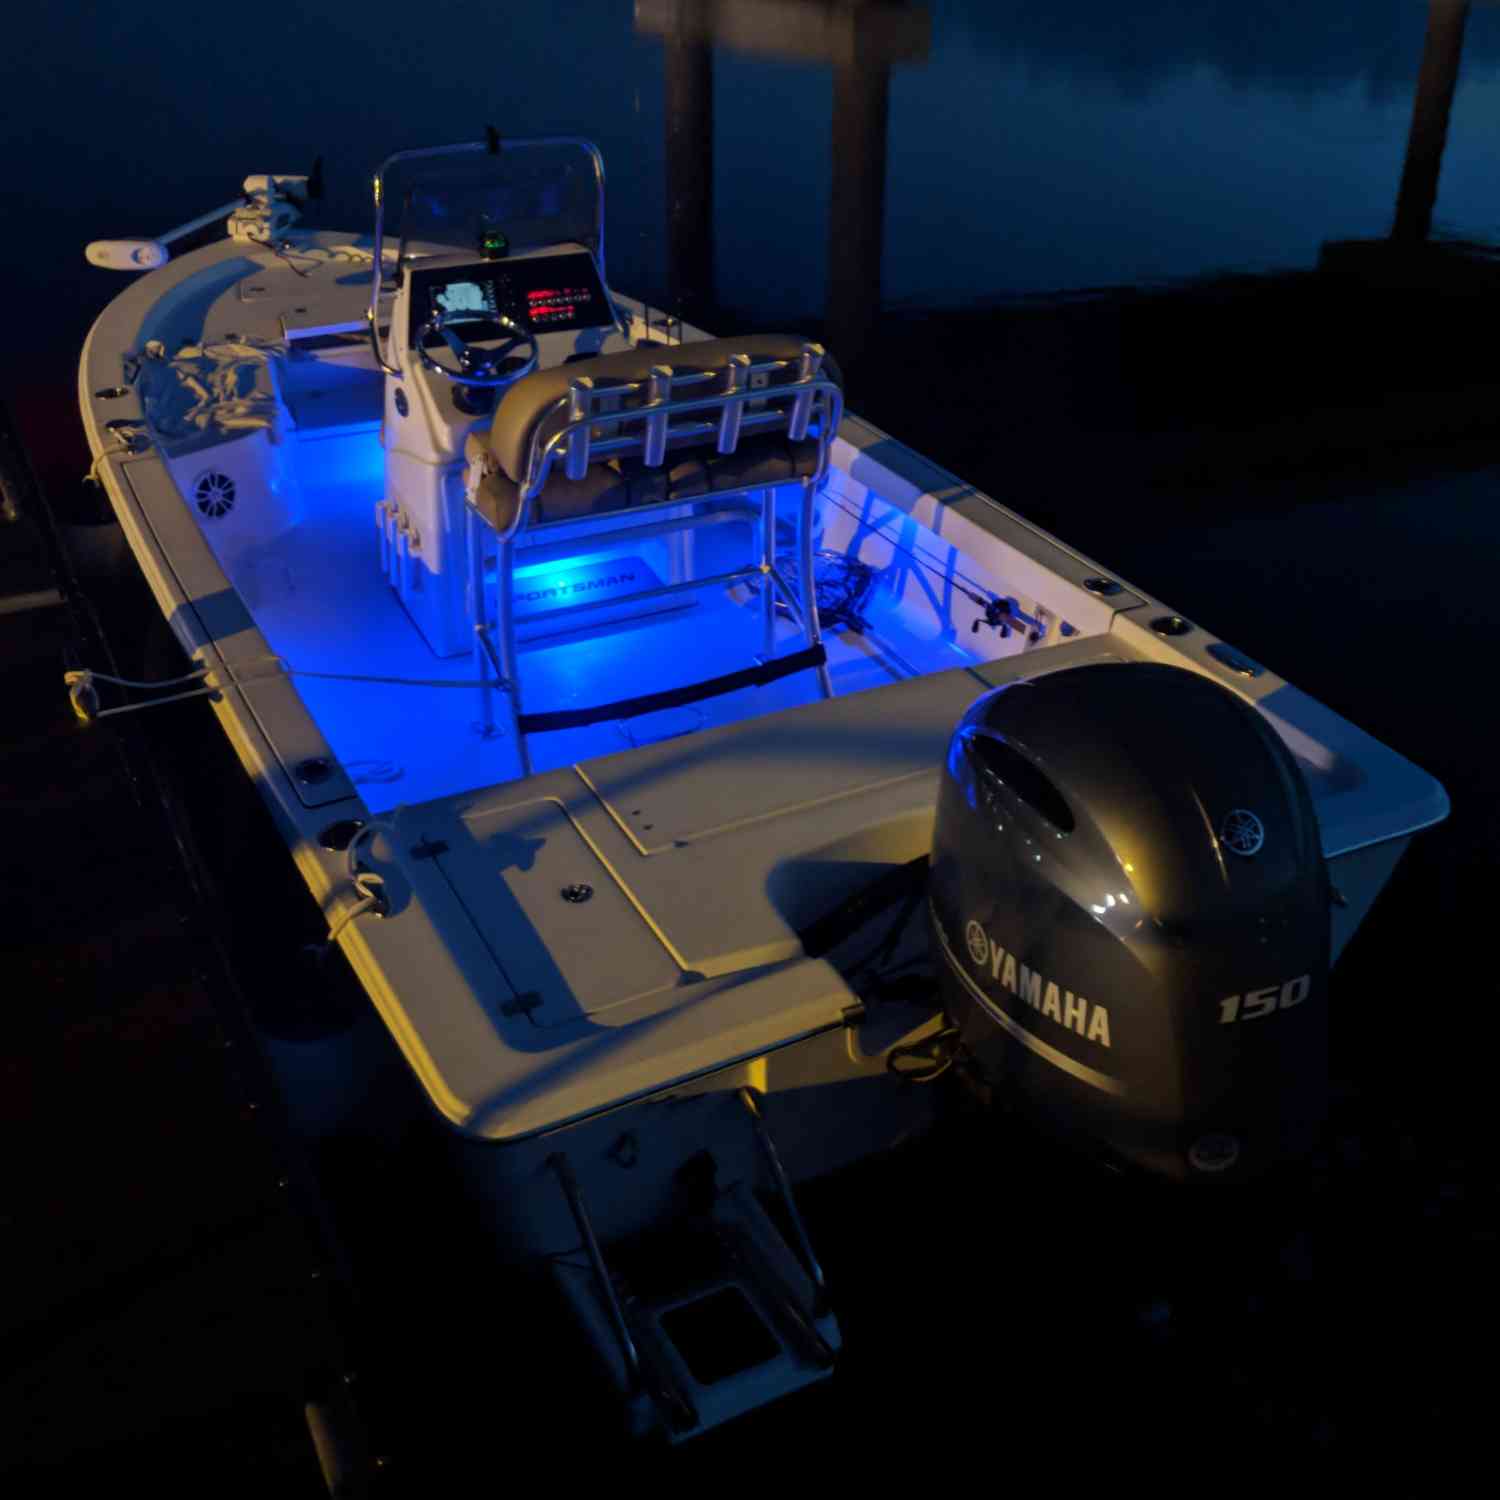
(940, 1051)
(841, 587)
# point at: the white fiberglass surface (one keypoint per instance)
(318, 595)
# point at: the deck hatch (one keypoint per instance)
(519, 869)
(680, 791)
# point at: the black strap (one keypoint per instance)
(627, 708)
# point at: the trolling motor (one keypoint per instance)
(1129, 915)
(269, 206)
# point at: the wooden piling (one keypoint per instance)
(689, 81)
(1436, 82)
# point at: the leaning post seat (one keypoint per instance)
(648, 430)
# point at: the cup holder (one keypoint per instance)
(1170, 625)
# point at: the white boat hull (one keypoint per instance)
(683, 981)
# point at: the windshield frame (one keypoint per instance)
(492, 147)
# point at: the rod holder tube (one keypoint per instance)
(576, 455)
(808, 365)
(737, 378)
(658, 393)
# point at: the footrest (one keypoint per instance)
(694, 692)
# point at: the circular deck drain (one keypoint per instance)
(213, 493)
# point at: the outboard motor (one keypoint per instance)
(1130, 918)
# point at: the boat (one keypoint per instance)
(697, 779)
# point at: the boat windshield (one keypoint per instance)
(527, 193)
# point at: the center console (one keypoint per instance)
(554, 294)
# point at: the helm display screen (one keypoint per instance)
(464, 301)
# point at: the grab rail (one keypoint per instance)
(669, 1401)
(574, 1194)
(749, 1098)
(810, 395)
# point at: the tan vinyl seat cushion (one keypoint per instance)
(618, 484)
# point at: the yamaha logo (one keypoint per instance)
(1242, 832)
(979, 944)
(1031, 986)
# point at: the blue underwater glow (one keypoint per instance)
(578, 560)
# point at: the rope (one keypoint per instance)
(374, 770)
(369, 885)
(95, 468)
(84, 697)
(439, 682)
(280, 664)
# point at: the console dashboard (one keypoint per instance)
(554, 293)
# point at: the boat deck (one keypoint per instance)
(320, 599)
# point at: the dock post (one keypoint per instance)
(689, 76)
(1436, 82)
(856, 195)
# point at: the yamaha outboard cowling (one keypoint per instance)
(1130, 914)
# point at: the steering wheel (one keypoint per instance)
(479, 367)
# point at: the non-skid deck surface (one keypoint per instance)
(318, 596)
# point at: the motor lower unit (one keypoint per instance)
(1130, 912)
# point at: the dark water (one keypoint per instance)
(1031, 150)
